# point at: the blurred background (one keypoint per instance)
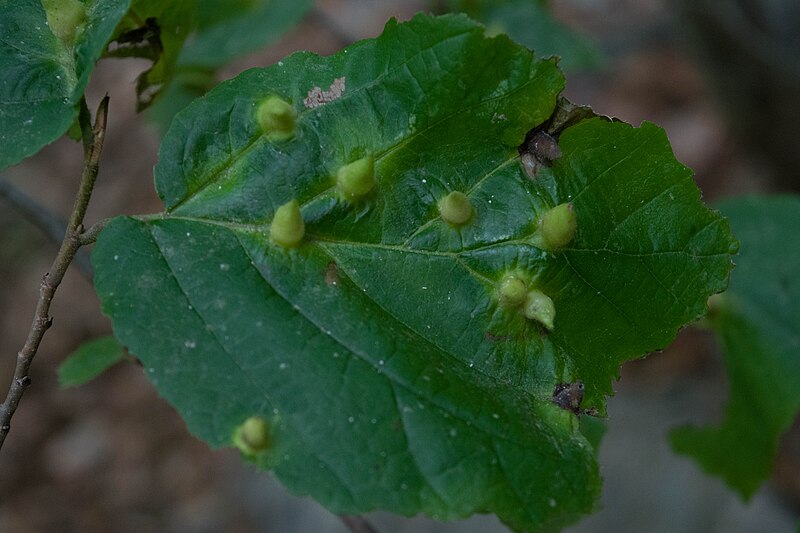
(723, 79)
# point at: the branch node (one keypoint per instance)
(24, 382)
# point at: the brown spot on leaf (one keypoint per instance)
(569, 396)
(489, 336)
(317, 97)
(332, 274)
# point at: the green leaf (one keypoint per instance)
(225, 30)
(529, 22)
(757, 322)
(228, 29)
(377, 347)
(89, 361)
(156, 30)
(186, 85)
(44, 76)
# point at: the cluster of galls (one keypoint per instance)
(355, 180)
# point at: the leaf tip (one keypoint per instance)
(287, 228)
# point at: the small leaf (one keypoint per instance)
(382, 348)
(89, 361)
(44, 75)
(757, 321)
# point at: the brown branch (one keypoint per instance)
(69, 247)
(90, 235)
(357, 524)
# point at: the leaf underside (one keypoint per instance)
(44, 78)
(391, 375)
(758, 324)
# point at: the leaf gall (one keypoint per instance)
(558, 226)
(277, 118)
(356, 179)
(287, 228)
(539, 307)
(252, 437)
(512, 290)
(455, 208)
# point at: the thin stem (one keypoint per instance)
(66, 253)
(357, 524)
(48, 223)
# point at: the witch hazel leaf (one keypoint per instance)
(387, 337)
(757, 322)
(47, 53)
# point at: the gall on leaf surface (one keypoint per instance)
(44, 75)
(757, 322)
(406, 384)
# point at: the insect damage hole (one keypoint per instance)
(539, 150)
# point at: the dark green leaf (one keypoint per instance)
(378, 350)
(228, 29)
(758, 324)
(44, 75)
(186, 85)
(225, 30)
(89, 361)
(156, 30)
(530, 23)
